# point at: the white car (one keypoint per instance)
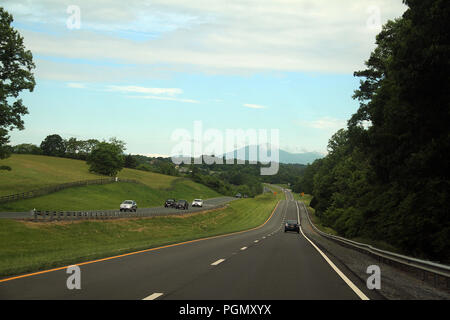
(128, 205)
(197, 203)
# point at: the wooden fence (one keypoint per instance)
(58, 187)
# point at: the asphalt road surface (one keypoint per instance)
(208, 204)
(262, 264)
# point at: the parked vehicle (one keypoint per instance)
(197, 203)
(238, 195)
(170, 203)
(128, 205)
(182, 204)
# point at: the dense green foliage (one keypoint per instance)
(53, 145)
(16, 64)
(106, 158)
(386, 176)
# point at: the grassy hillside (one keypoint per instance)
(28, 246)
(109, 196)
(31, 172)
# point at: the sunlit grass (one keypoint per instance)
(30, 246)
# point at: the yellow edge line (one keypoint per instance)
(141, 251)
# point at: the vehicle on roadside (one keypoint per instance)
(170, 203)
(128, 205)
(182, 204)
(197, 203)
(238, 195)
(292, 225)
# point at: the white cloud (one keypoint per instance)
(165, 98)
(325, 123)
(205, 35)
(137, 89)
(76, 85)
(254, 106)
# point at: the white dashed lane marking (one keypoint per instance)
(217, 262)
(153, 296)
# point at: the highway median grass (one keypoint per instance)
(30, 246)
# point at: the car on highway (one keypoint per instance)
(197, 203)
(292, 225)
(182, 204)
(128, 205)
(170, 203)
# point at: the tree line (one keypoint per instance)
(386, 175)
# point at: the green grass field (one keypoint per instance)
(110, 196)
(32, 172)
(30, 246)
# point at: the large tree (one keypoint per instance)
(16, 64)
(106, 158)
(53, 145)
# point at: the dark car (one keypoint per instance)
(170, 203)
(182, 204)
(292, 225)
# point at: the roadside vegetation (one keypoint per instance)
(384, 177)
(31, 246)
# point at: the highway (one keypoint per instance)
(208, 204)
(262, 264)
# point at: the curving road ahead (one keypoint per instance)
(264, 263)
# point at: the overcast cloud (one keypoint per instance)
(207, 36)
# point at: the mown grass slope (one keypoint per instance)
(110, 196)
(30, 172)
(30, 246)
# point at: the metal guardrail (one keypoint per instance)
(46, 216)
(58, 187)
(434, 273)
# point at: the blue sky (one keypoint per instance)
(140, 70)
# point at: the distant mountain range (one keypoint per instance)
(284, 156)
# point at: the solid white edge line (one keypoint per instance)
(153, 296)
(352, 286)
(217, 262)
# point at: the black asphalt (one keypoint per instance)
(278, 266)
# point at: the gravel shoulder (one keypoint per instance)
(395, 284)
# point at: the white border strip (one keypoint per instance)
(352, 286)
